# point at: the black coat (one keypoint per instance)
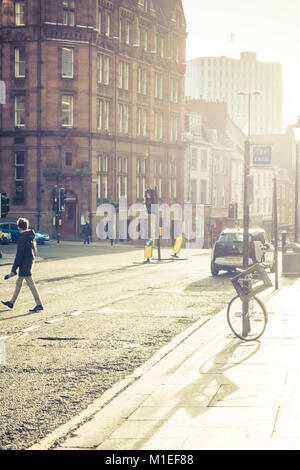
(26, 252)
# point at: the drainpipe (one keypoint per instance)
(90, 191)
(39, 111)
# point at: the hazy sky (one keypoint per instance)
(271, 28)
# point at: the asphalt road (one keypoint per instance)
(106, 313)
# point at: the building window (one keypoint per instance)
(177, 52)
(103, 69)
(103, 114)
(158, 85)
(203, 191)
(68, 12)
(19, 13)
(19, 176)
(127, 32)
(194, 190)
(19, 110)
(173, 180)
(140, 178)
(174, 90)
(162, 47)
(123, 115)
(122, 178)
(142, 80)
(19, 62)
(102, 177)
(203, 160)
(143, 39)
(124, 30)
(142, 122)
(67, 111)
(174, 121)
(194, 163)
(67, 63)
(157, 177)
(158, 125)
(100, 17)
(123, 75)
(108, 24)
(68, 158)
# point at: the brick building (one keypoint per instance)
(94, 104)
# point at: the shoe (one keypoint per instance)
(36, 308)
(8, 304)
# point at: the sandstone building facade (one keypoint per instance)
(94, 104)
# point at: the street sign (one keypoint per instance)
(262, 155)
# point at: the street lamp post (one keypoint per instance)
(246, 174)
(296, 131)
(246, 323)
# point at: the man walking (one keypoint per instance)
(24, 259)
(86, 233)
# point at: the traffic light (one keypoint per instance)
(54, 199)
(232, 210)
(61, 199)
(150, 199)
(4, 207)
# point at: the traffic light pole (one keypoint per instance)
(246, 207)
(246, 326)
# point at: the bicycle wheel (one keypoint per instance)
(252, 324)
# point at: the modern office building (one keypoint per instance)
(223, 78)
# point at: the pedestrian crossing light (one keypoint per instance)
(4, 207)
(150, 199)
(54, 199)
(232, 210)
(61, 199)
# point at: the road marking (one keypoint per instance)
(30, 328)
(112, 310)
(54, 320)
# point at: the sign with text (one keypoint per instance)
(262, 155)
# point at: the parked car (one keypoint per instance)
(5, 238)
(41, 237)
(292, 246)
(12, 229)
(227, 253)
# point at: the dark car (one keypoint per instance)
(227, 253)
(12, 228)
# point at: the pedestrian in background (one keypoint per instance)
(24, 259)
(86, 233)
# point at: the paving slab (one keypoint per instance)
(212, 392)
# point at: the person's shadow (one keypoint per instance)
(200, 395)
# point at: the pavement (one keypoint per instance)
(206, 390)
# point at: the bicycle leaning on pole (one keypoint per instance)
(246, 314)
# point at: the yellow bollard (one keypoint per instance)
(177, 246)
(148, 250)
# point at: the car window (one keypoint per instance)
(231, 237)
(4, 227)
(13, 227)
(259, 237)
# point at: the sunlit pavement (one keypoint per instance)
(210, 391)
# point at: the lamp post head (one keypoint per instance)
(249, 93)
(297, 123)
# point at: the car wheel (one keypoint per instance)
(214, 269)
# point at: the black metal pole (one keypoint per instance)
(275, 230)
(246, 325)
(246, 207)
(296, 193)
